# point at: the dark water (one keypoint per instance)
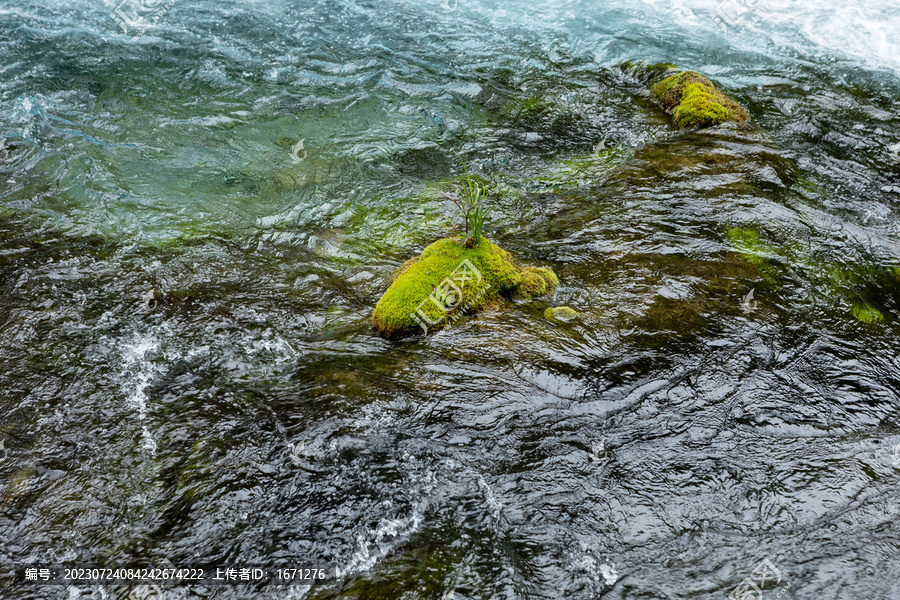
(139, 429)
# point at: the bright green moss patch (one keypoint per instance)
(693, 101)
(534, 108)
(745, 239)
(699, 108)
(670, 90)
(450, 279)
(867, 314)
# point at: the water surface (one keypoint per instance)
(167, 161)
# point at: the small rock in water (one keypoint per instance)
(610, 576)
(560, 313)
(151, 300)
(477, 277)
(694, 102)
(598, 452)
(748, 303)
(891, 189)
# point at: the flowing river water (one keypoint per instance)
(188, 370)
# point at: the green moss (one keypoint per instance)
(867, 314)
(699, 108)
(670, 91)
(752, 249)
(449, 279)
(693, 101)
(534, 106)
(532, 286)
(536, 281)
(560, 313)
(548, 275)
(745, 238)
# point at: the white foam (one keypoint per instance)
(374, 544)
(495, 505)
(138, 371)
(865, 32)
(609, 574)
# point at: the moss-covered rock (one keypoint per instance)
(532, 286)
(549, 276)
(560, 313)
(449, 279)
(536, 281)
(693, 101)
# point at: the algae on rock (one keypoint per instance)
(693, 101)
(752, 249)
(560, 313)
(867, 314)
(449, 279)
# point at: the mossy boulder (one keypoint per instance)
(549, 276)
(694, 102)
(536, 281)
(448, 280)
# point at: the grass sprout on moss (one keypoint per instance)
(469, 199)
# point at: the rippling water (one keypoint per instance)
(187, 365)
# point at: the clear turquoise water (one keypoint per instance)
(462, 461)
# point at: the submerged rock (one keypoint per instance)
(867, 314)
(694, 102)
(560, 313)
(449, 279)
(752, 249)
